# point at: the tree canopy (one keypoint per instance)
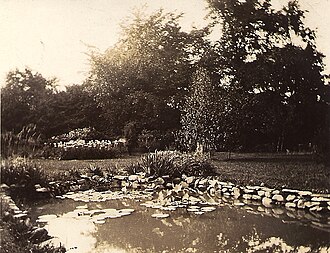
(259, 86)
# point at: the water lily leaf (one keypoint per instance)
(208, 208)
(160, 215)
(47, 217)
(99, 221)
(168, 208)
(127, 210)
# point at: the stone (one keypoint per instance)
(133, 177)
(290, 191)
(278, 211)
(20, 215)
(53, 242)
(278, 198)
(305, 193)
(42, 189)
(176, 180)
(261, 193)
(248, 191)
(268, 194)
(4, 187)
(38, 235)
(161, 181)
(290, 197)
(320, 199)
(236, 192)
(290, 205)
(247, 196)
(310, 204)
(267, 202)
(190, 180)
(256, 197)
(276, 192)
(224, 189)
(301, 204)
(316, 209)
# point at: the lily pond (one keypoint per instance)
(90, 221)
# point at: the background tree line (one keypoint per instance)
(259, 87)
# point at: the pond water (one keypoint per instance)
(124, 225)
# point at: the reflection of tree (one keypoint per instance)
(227, 229)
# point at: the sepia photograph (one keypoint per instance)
(165, 126)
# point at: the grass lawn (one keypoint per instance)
(297, 171)
(66, 165)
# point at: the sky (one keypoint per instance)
(53, 37)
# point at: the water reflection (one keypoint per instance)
(226, 229)
(78, 235)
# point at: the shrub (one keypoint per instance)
(173, 164)
(22, 176)
(151, 140)
(83, 153)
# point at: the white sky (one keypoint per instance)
(50, 36)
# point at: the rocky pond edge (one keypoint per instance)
(186, 189)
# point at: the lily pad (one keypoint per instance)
(126, 210)
(160, 215)
(82, 207)
(99, 221)
(208, 209)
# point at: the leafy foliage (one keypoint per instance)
(143, 77)
(22, 98)
(272, 72)
(173, 164)
(199, 120)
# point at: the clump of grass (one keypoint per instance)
(173, 164)
(25, 143)
(22, 176)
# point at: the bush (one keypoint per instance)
(84, 153)
(155, 140)
(22, 176)
(173, 164)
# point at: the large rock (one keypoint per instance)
(278, 198)
(290, 197)
(38, 235)
(267, 202)
(290, 205)
(236, 192)
(133, 177)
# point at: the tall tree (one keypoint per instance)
(23, 96)
(143, 78)
(271, 69)
(199, 119)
